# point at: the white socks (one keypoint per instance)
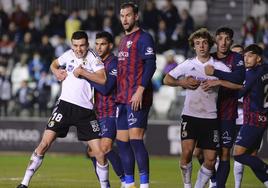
(186, 171)
(204, 175)
(34, 164)
(238, 173)
(103, 174)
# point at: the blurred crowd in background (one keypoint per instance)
(30, 40)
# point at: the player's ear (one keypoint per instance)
(111, 46)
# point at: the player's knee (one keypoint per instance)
(186, 157)
(105, 147)
(43, 147)
(209, 162)
(198, 154)
(225, 154)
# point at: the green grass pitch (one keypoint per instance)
(75, 171)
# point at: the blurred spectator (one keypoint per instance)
(27, 46)
(13, 33)
(262, 38)
(237, 48)
(46, 51)
(19, 73)
(150, 16)
(36, 66)
(39, 19)
(20, 18)
(248, 39)
(4, 22)
(6, 50)
(161, 38)
(116, 26)
(35, 33)
(93, 22)
(72, 24)
(56, 21)
(61, 47)
(170, 62)
(182, 32)
(5, 92)
(250, 26)
(44, 94)
(107, 25)
(24, 99)
(170, 15)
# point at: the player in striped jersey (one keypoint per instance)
(227, 100)
(255, 109)
(136, 66)
(105, 102)
(75, 107)
(199, 116)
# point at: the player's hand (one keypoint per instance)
(209, 70)
(209, 84)
(136, 99)
(78, 71)
(60, 74)
(189, 83)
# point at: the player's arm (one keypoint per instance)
(99, 76)
(236, 76)
(110, 83)
(188, 82)
(207, 85)
(56, 69)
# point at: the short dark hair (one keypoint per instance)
(255, 49)
(132, 5)
(201, 33)
(225, 30)
(79, 35)
(106, 35)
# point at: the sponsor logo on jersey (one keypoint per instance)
(216, 136)
(113, 72)
(117, 112)
(240, 63)
(131, 119)
(129, 43)
(149, 51)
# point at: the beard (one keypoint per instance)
(130, 27)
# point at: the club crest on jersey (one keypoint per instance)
(149, 51)
(72, 61)
(129, 43)
(84, 62)
(70, 68)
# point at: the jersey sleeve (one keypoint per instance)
(96, 62)
(238, 73)
(179, 70)
(146, 47)
(111, 79)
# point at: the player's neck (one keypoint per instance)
(221, 55)
(136, 28)
(203, 59)
(105, 57)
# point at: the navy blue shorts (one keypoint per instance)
(227, 133)
(250, 137)
(108, 127)
(127, 118)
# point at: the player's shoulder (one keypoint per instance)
(218, 64)
(145, 35)
(68, 53)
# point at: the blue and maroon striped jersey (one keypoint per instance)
(105, 94)
(227, 98)
(136, 58)
(255, 93)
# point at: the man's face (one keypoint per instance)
(223, 42)
(128, 18)
(79, 47)
(251, 59)
(201, 47)
(102, 47)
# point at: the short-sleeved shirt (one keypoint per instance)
(133, 50)
(199, 103)
(76, 90)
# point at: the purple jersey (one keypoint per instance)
(105, 94)
(134, 50)
(227, 98)
(255, 93)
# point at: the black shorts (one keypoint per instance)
(204, 131)
(66, 114)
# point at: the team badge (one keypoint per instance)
(184, 134)
(51, 124)
(131, 119)
(215, 136)
(95, 126)
(84, 62)
(129, 43)
(72, 61)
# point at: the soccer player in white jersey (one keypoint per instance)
(75, 106)
(199, 124)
